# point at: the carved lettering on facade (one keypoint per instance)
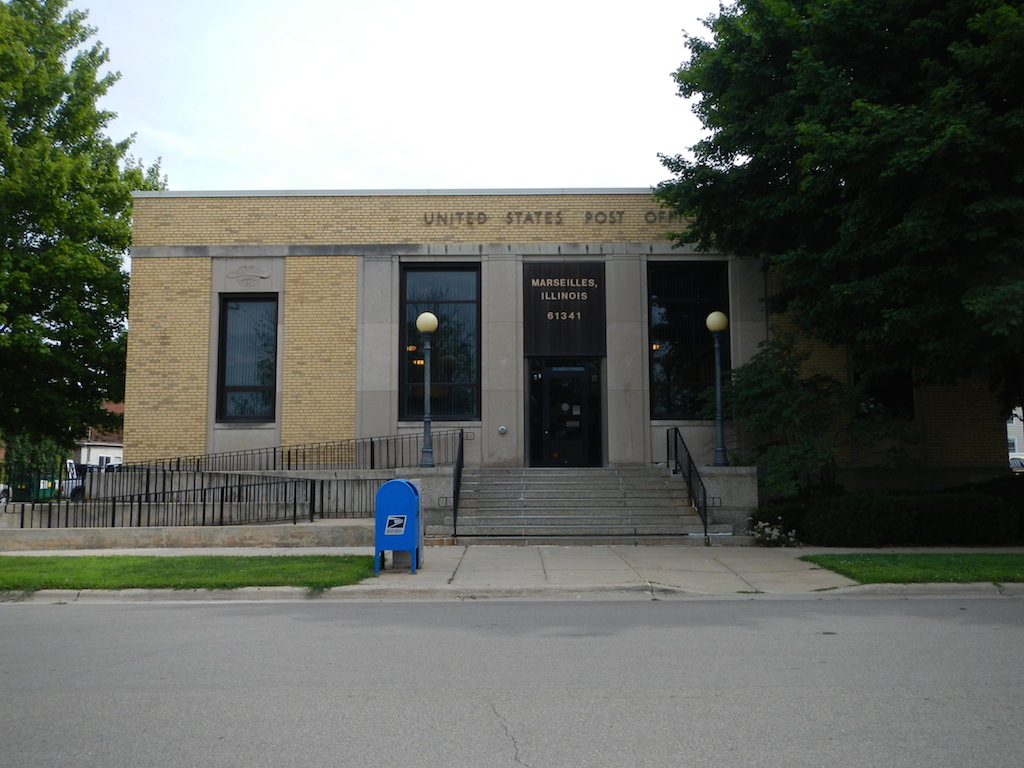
(534, 217)
(603, 217)
(660, 216)
(544, 218)
(454, 218)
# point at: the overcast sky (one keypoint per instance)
(400, 94)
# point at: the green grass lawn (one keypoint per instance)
(314, 572)
(925, 568)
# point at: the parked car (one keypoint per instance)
(72, 489)
(73, 486)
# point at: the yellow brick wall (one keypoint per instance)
(168, 358)
(375, 220)
(318, 389)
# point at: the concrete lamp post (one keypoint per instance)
(426, 324)
(717, 322)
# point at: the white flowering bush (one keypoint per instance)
(773, 534)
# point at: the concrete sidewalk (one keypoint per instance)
(645, 571)
(554, 572)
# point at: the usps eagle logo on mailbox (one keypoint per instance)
(395, 525)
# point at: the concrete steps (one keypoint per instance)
(579, 505)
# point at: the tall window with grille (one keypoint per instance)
(247, 358)
(680, 297)
(452, 293)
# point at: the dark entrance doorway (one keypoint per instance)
(565, 412)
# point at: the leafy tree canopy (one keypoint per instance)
(872, 152)
(788, 422)
(65, 207)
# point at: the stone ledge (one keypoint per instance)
(323, 533)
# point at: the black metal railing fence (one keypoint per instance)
(184, 472)
(20, 481)
(236, 487)
(223, 499)
(388, 452)
(681, 463)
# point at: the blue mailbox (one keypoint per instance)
(398, 528)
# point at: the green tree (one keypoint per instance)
(872, 153)
(795, 422)
(25, 453)
(65, 223)
(787, 417)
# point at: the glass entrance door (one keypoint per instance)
(565, 412)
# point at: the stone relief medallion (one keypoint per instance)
(249, 275)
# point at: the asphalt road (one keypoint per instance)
(772, 682)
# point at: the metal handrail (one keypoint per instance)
(457, 483)
(179, 473)
(388, 452)
(197, 490)
(682, 464)
(218, 499)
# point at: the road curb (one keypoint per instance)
(561, 592)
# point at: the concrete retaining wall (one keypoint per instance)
(734, 491)
(323, 533)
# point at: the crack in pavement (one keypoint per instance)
(650, 585)
(734, 573)
(458, 564)
(511, 737)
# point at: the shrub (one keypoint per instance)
(773, 534)
(787, 514)
(1010, 489)
(897, 519)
